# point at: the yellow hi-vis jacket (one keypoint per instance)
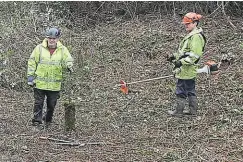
(189, 52)
(48, 69)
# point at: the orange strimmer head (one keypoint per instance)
(124, 87)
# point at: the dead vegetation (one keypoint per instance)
(111, 126)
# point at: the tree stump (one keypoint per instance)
(69, 116)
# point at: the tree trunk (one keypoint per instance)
(69, 116)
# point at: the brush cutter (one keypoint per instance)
(210, 67)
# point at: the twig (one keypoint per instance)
(222, 4)
(54, 139)
(79, 144)
(214, 11)
(69, 143)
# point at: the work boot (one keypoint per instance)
(36, 122)
(180, 105)
(193, 104)
(37, 119)
(46, 119)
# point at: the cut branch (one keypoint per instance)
(54, 139)
(227, 17)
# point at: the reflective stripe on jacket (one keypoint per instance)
(189, 52)
(46, 68)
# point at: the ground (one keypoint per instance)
(135, 127)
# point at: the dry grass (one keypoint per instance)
(134, 127)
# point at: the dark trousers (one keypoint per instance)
(51, 100)
(185, 88)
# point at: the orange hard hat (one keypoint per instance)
(191, 17)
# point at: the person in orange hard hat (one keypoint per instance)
(191, 17)
(185, 62)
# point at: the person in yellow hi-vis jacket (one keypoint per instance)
(45, 73)
(185, 62)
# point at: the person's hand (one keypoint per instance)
(176, 71)
(170, 58)
(177, 64)
(31, 81)
(70, 69)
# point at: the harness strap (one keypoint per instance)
(204, 38)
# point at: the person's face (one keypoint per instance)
(52, 41)
(190, 26)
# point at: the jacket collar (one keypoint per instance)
(185, 40)
(194, 31)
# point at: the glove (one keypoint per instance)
(170, 58)
(70, 69)
(31, 81)
(176, 71)
(177, 64)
